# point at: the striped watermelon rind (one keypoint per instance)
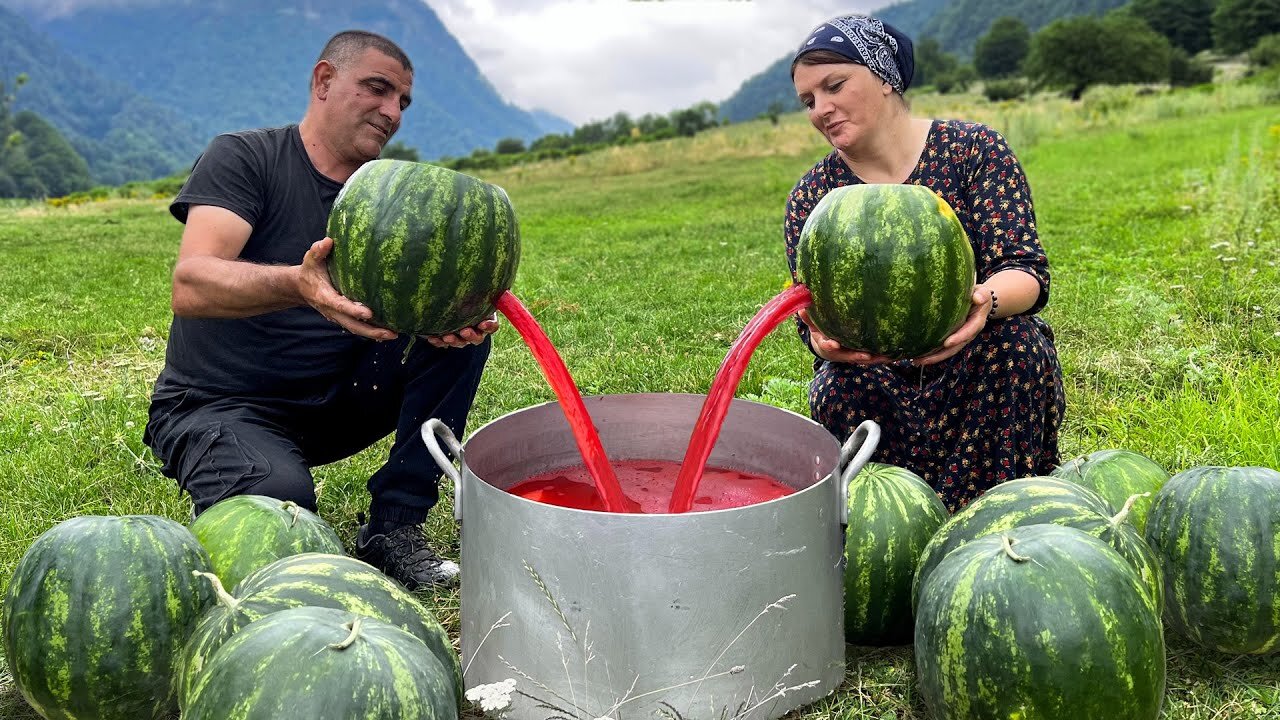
(1117, 475)
(892, 515)
(428, 250)
(1055, 624)
(97, 612)
(315, 580)
(247, 532)
(1216, 533)
(315, 662)
(1037, 500)
(889, 266)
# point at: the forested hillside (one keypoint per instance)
(954, 24)
(121, 134)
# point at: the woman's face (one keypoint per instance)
(845, 100)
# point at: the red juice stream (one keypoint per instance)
(716, 406)
(557, 375)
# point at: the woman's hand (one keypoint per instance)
(832, 350)
(473, 335)
(964, 334)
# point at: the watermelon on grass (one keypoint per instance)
(1216, 533)
(97, 613)
(316, 580)
(892, 515)
(426, 249)
(889, 266)
(1040, 622)
(246, 532)
(312, 662)
(1036, 500)
(1117, 475)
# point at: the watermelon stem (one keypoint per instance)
(1008, 550)
(354, 625)
(294, 509)
(1128, 506)
(225, 598)
(407, 348)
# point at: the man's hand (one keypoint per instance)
(964, 334)
(473, 335)
(829, 349)
(318, 291)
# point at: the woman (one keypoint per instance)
(986, 406)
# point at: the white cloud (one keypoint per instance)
(587, 59)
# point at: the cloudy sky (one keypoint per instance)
(586, 59)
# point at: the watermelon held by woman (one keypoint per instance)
(890, 268)
(246, 532)
(1039, 621)
(97, 613)
(892, 515)
(1216, 534)
(1117, 475)
(426, 249)
(313, 662)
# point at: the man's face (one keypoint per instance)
(364, 101)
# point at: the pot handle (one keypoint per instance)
(856, 452)
(434, 430)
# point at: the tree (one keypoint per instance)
(509, 146)
(1239, 24)
(1183, 22)
(1075, 53)
(59, 169)
(932, 62)
(1001, 51)
(399, 151)
(692, 120)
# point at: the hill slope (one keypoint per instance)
(121, 134)
(956, 24)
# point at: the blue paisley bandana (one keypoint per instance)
(884, 49)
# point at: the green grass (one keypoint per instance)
(1160, 215)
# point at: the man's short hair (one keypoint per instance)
(343, 48)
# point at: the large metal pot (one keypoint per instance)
(723, 614)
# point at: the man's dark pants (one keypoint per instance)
(216, 447)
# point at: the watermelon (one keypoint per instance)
(426, 249)
(892, 515)
(889, 266)
(1040, 622)
(96, 615)
(1036, 500)
(314, 662)
(1117, 475)
(318, 580)
(1216, 533)
(246, 532)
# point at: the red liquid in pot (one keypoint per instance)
(650, 484)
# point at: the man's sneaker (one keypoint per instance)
(404, 556)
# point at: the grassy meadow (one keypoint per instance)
(1160, 213)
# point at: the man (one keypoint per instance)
(269, 370)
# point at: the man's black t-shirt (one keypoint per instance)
(265, 177)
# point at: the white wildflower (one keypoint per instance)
(494, 696)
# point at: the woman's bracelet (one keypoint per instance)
(994, 304)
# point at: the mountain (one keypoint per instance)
(121, 134)
(959, 24)
(223, 65)
(550, 123)
(955, 24)
(773, 84)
